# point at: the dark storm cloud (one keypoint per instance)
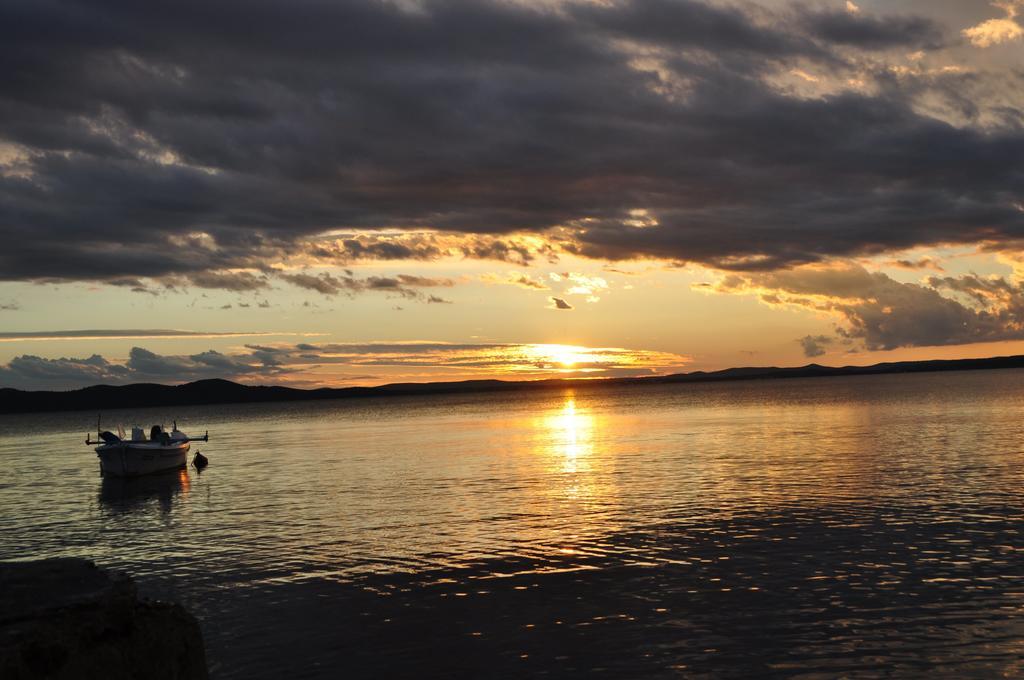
(686, 23)
(881, 313)
(322, 283)
(30, 371)
(33, 372)
(920, 263)
(429, 246)
(876, 32)
(424, 281)
(175, 139)
(236, 281)
(403, 284)
(142, 362)
(814, 345)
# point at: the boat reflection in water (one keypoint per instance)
(124, 494)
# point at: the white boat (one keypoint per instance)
(123, 457)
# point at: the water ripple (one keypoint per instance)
(807, 528)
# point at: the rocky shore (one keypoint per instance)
(67, 618)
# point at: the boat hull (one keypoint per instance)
(134, 460)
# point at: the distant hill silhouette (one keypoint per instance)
(102, 397)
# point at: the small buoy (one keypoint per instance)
(200, 461)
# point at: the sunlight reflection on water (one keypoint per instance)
(823, 526)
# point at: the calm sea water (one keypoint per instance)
(843, 526)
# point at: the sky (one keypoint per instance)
(317, 193)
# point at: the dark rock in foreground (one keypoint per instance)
(66, 618)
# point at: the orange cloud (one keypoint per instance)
(996, 31)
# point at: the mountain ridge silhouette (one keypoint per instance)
(222, 391)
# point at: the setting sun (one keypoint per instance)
(566, 356)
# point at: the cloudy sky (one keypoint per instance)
(361, 192)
